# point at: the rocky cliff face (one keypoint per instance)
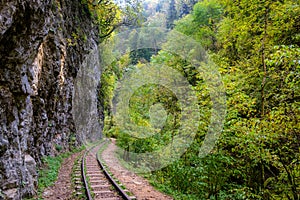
(42, 46)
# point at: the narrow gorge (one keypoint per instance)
(200, 98)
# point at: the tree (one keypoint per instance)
(256, 46)
(259, 50)
(171, 14)
(201, 24)
(185, 7)
(110, 16)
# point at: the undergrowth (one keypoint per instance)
(49, 170)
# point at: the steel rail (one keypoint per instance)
(86, 186)
(121, 192)
(113, 182)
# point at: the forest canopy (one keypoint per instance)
(256, 46)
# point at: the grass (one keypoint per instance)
(49, 171)
(89, 184)
(162, 187)
(91, 145)
(74, 175)
(48, 174)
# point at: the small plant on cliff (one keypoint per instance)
(58, 147)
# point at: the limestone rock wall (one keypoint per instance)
(42, 46)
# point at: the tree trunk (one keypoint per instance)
(263, 57)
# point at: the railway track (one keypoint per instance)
(97, 182)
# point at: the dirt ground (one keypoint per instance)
(139, 186)
(62, 188)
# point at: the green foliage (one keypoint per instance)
(256, 46)
(141, 104)
(201, 24)
(74, 176)
(48, 173)
(58, 147)
(261, 61)
(109, 16)
(72, 142)
(106, 14)
(207, 13)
